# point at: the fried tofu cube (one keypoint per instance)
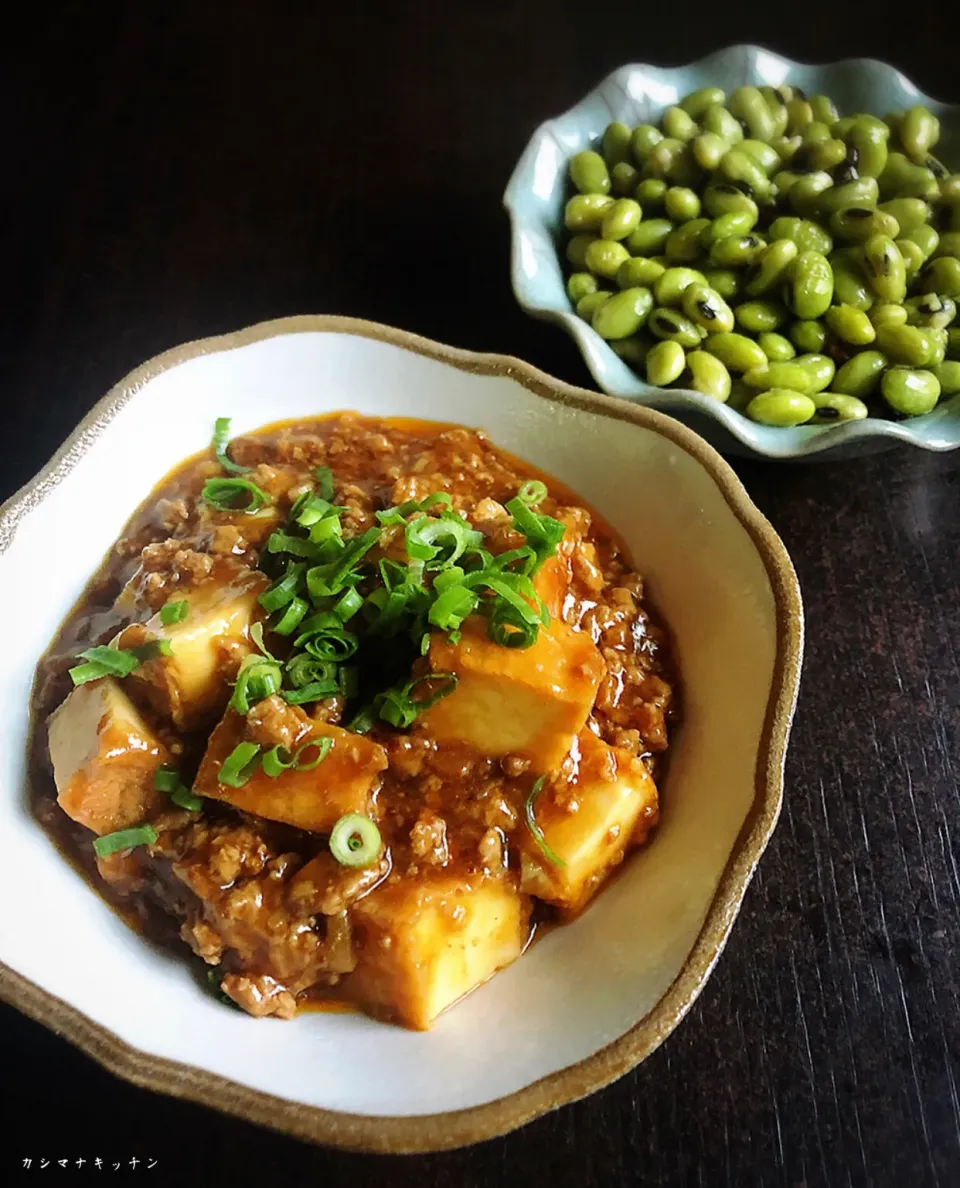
(552, 583)
(423, 944)
(589, 824)
(104, 757)
(313, 800)
(530, 702)
(192, 685)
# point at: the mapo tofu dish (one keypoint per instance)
(351, 708)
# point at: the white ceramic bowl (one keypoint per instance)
(588, 1001)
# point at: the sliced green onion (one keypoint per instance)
(322, 746)
(355, 841)
(284, 589)
(532, 492)
(124, 839)
(348, 605)
(296, 546)
(276, 761)
(323, 581)
(103, 661)
(316, 691)
(304, 669)
(308, 508)
(234, 495)
(221, 436)
(259, 677)
(174, 612)
(452, 607)
(185, 799)
(152, 649)
(324, 477)
(324, 637)
(543, 533)
(166, 779)
(509, 629)
(292, 616)
(366, 718)
(326, 535)
(440, 541)
(535, 829)
(256, 634)
(399, 707)
(239, 765)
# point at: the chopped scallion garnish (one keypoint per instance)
(532, 492)
(234, 495)
(324, 477)
(239, 765)
(124, 839)
(221, 437)
(355, 841)
(535, 829)
(174, 612)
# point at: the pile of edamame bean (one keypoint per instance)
(766, 252)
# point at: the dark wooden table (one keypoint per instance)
(178, 171)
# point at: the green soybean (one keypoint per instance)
(665, 159)
(738, 166)
(633, 351)
(589, 173)
(624, 178)
(721, 198)
(913, 257)
(781, 408)
(820, 368)
(724, 280)
(919, 132)
(807, 235)
(903, 178)
(758, 317)
(910, 345)
(804, 195)
(620, 218)
(862, 192)
(910, 393)
(884, 314)
(649, 238)
(910, 213)
(585, 212)
(810, 286)
(665, 363)
(808, 336)
(815, 131)
(616, 143)
(604, 256)
(749, 105)
(579, 284)
(697, 102)
(777, 348)
(824, 109)
(767, 158)
(722, 123)
(941, 276)
(734, 251)
(850, 324)
(708, 149)
(948, 377)
(835, 407)
(671, 324)
(857, 224)
(868, 136)
(639, 270)
(949, 244)
(707, 308)
(589, 303)
(643, 141)
(681, 203)
(735, 351)
(799, 114)
(930, 310)
(650, 192)
(953, 343)
(577, 250)
(670, 286)
(624, 314)
(884, 268)
(861, 373)
(679, 124)
(777, 262)
(849, 284)
(737, 222)
(707, 375)
(789, 374)
(683, 243)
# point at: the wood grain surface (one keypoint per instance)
(174, 171)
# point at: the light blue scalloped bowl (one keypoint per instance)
(535, 199)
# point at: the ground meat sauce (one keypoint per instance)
(265, 904)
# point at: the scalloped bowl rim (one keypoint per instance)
(612, 374)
